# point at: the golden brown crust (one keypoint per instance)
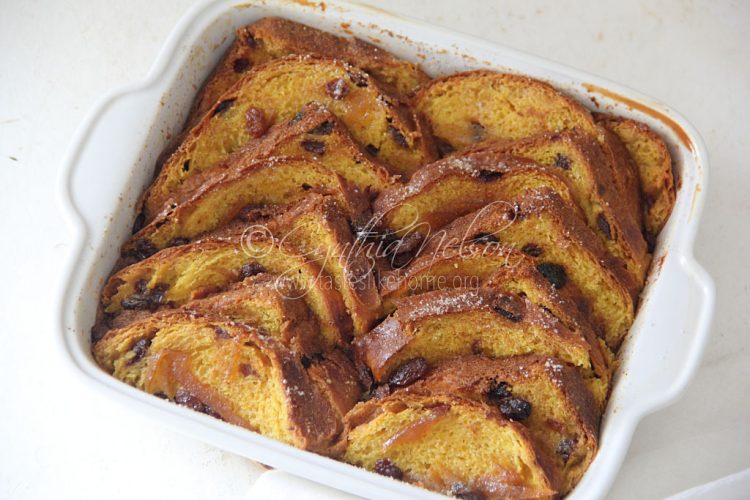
(273, 37)
(312, 422)
(336, 378)
(624, 173)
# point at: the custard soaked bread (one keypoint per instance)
(579, 159)
(548, 397)
(563, 248)
(654, 168)
(227, 370)
(452, 445)
(439, 325)
(274, 93)
(272, 181)
(174, 276)
(273, 38)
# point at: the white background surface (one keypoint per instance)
(58, 439)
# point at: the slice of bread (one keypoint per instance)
(443, 324)
(654, 164)
(174, 276)
(278, 180)
(581, 161)
(272, 38)
(274, 93)
(225, 369)
(563, 420)
(455, 446)
(564, 249)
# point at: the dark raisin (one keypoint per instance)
(306, 362)
(461, 491)
(532, 250)
(514, 408)
(306, 186)
(485, 238)
(246, 370)
(499, 390)
(509, 315)
(241, 65)
(337, 89)
(139, 349)
(221, 333)
(255, 122)
(603, 225)
(385, 467)
(161, 395)
(184, 398)
(324, 128)
(381, 391)
(140, 220)
(142, 248)
(409, 372)
(555, 273)
(401, 260)
(489, 175)
(372, 150)
(314, 147)
(444, 147)
(364, 374)
(175, 242)
(145, 298)
(186, 166)
(562, 161)
(223, 106)
(250, 41)
(565, 448)
(398, 136)
(358, 79)
(251, 269)
(299, 115)
(478, 132)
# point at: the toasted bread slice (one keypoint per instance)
(279, 180)
(458, 185)
(274, 93)
(563, 418)
(564, 249)
(174, 276)
(442, 324)
(654, 168)
(452, 445)
(225, 369)
(273, 38)
(581, 161)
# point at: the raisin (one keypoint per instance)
(514, 408)
(314, 147)
(250, 41)
(240, 65)
(186, 166)
(478, 131)
(461, 491)
(246, 370)
(603, 225)
(324, 128)
(485, 238)
(140, 220)
(139, 349)
(145, 298)
(142, 248)
(498, 391)
(532, 250)
(385, 467)
(509, 315)
(565, 448)
(337, 89)
(562, 161)
(381, 391)
(184, 398)
(364, 374)
(223, 106)
(221, 333)
(409, 372)
(358, 79)
(175, 242)
(489, 175)
(372, 150)
(306, 186)
(398, 136)
(299, 115)
(251, 269)
(255, 122)
(554, 273)
(444, 147)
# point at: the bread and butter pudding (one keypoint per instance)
(427, 278)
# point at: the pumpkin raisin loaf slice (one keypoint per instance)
(547, 396)
(452, 445)
(654, 168)
(458, 185)
(273, 38)
(442, 324)
(581, 161)
(225, 369)
(174, 276)
(274, 93)
(564, 250)
(272, 181)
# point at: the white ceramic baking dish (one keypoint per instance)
(112, 159)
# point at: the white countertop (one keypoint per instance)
(60, 440)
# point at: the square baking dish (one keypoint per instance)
(112, 157)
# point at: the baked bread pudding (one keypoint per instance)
(427, 278)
